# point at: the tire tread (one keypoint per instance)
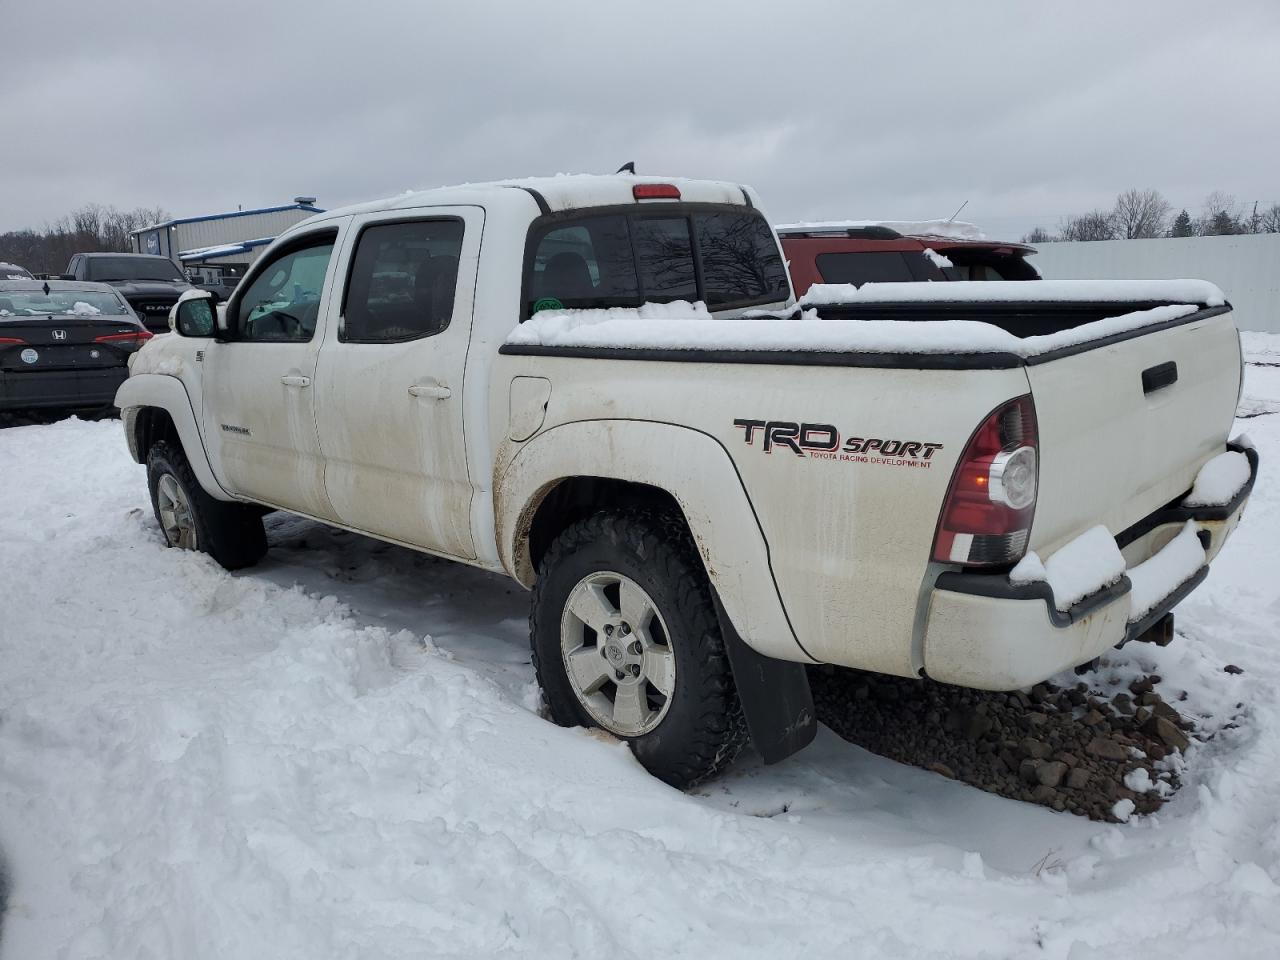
(718, 732)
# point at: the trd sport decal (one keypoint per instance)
(821, 441)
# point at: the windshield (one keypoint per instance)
(134, 268)
(80, 303)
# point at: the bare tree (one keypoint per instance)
(1269, 219)
(1038, 235)
(91, 228)
(1140, 214)
(1095, 225)
(1219, 215)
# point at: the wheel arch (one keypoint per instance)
(574, 469)
(156, 407)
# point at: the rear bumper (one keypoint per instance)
(60, 388)
(984, 631)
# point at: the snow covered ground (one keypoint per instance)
(338, 755)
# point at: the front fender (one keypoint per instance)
(691, 466)
(169, 394)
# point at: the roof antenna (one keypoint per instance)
(628, 167)
(957, 213)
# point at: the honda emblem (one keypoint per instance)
(59, 334)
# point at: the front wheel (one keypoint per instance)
(625, 638)
(190, 519)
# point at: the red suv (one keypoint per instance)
(862, 252)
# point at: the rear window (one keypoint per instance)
(61, 302)
(740, 260)
(725, 258)
(133, 268)
(880, 266)
(985, 265)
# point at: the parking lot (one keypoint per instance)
(339, 753)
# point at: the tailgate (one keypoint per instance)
(1113, 448)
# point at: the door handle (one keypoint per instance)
(433, 391)
(292, 380)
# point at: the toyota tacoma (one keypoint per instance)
(604, 388)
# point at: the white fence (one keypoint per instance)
(1247, 268)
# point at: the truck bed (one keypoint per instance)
(1130, 403)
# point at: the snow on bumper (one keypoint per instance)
(989, 632)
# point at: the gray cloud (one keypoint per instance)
(1029, 111)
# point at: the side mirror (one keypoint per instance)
(193, 316)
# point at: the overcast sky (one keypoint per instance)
(1028, 110)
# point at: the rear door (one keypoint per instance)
(390, 399)
(1113, 449)
(259, 384)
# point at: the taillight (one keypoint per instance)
(986, 519)
(10, 340)
(133, 336)
(655, 191)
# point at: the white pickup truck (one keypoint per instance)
(603, 387)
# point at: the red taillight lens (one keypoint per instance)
(10, 340)
(655, 191)
(986, 519)
(133, 336)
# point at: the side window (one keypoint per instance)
(402, 281)
(741, 264)
(583, 265)
(876, 266)
(283, 302)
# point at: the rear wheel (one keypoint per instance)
(625, 638)
(190, 519)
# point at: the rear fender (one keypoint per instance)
(168, 394)
(691, 466)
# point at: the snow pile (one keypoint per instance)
(1260, 348)
(1123, 810)
(685, 326)
(1219, 480)
(82, 309)
(1169, 568)
(1018, 291)
(1076, 570)
(943, 229)
(937, 259)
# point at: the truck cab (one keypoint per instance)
(152, 285)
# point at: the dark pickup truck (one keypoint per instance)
(152, 285)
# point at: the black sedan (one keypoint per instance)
(64, 344)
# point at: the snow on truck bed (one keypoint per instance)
(1019, 291)
(686, 326)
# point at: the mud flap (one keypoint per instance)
(775, 696)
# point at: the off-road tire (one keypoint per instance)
(231, 533)
(703, 729)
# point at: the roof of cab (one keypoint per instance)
(551, 194)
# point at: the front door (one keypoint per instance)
(390, 378)
(260, 382)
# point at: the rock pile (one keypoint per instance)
(1069, 748)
